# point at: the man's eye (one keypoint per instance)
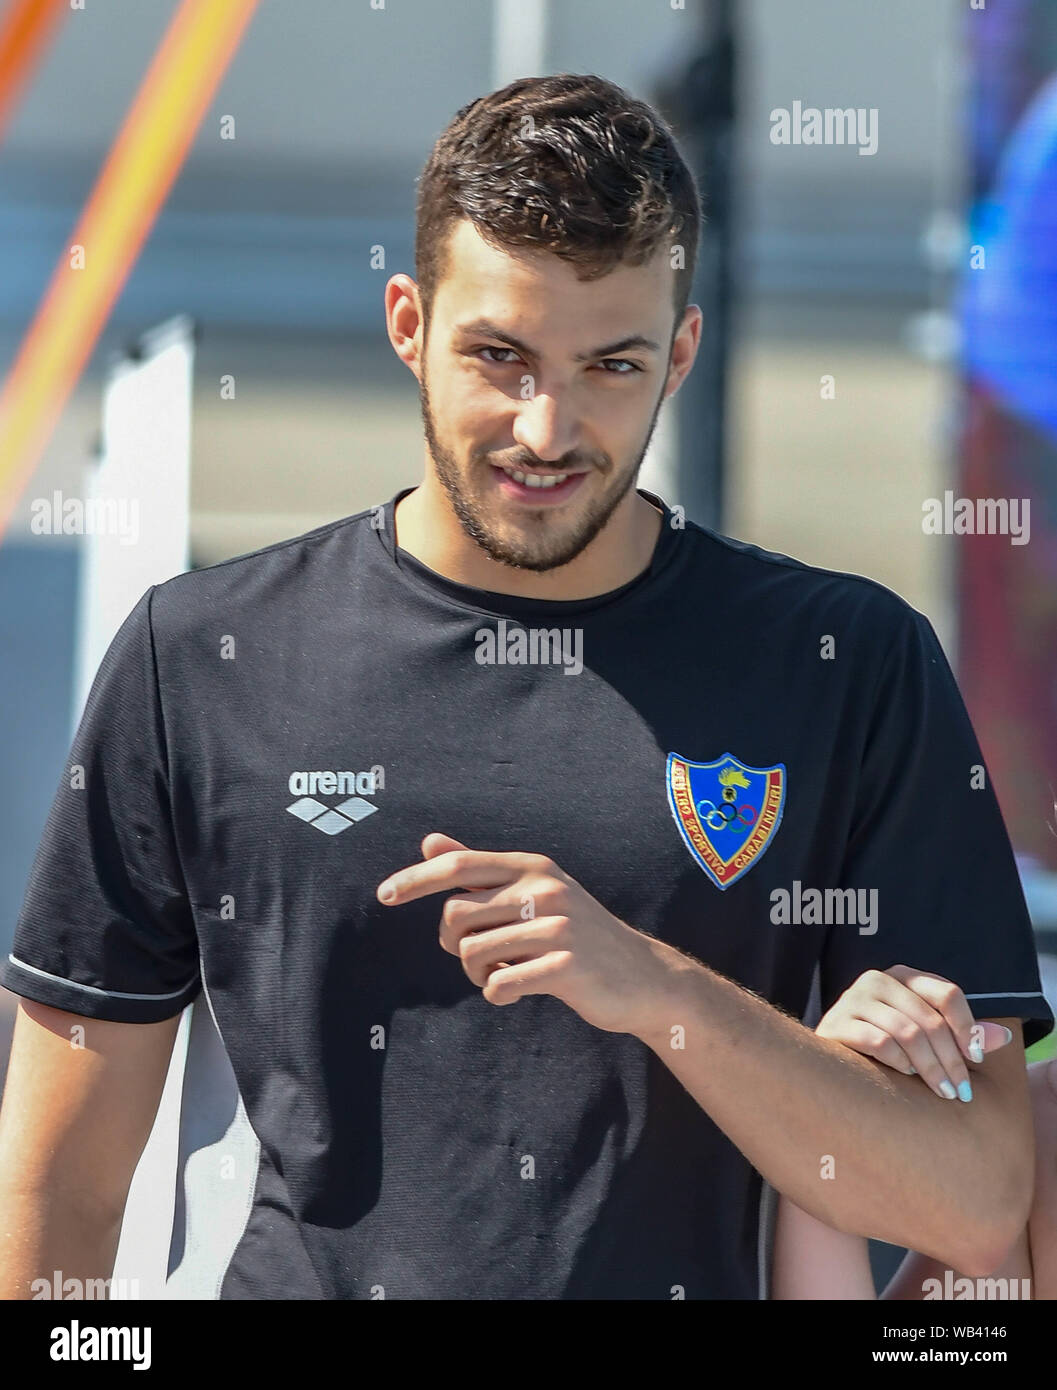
(621, 362)
(497, 349)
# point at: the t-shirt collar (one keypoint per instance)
(487, 600)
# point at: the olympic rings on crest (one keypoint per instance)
(717, 819)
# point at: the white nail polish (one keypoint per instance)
(976, 1051)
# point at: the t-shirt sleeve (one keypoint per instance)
(927, 837)
(106, 929)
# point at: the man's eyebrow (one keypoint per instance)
(486, 329)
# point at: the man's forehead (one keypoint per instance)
(530, 288)
(469, 254)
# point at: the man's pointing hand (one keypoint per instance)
(522, 926)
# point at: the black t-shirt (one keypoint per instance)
(712, 751)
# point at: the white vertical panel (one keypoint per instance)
(137, 497)
(519, 40)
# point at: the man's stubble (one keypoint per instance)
(550, 551)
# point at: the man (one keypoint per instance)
(471, 819)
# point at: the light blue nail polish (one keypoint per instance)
(947, 1090)
(965, 1090)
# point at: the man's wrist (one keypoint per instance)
(671, 988)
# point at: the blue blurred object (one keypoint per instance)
(1010, 306)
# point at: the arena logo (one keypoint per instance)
(980, 516)
(835, 125)
(353, 786)
(510, 645)
(825, 907)
(336, 783)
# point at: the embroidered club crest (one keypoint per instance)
(726, 812)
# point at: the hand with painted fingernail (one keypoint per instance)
(917, 1023)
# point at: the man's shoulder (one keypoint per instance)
(796, 591)
(255, 581)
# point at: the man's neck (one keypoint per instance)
(427, 528)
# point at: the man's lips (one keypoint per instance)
(539, 495)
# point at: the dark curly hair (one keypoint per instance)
(569, 164)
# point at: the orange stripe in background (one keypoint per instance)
(24, 29)
(134, 183)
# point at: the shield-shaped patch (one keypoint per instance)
(726, 812)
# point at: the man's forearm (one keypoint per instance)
(44, 1240)
(856, 1144)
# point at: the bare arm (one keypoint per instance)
(890, 1016)
(909, 1280)
(812, 1260)
(1032, 1257)
(953, 1180)
(1042, 1224)
(78, 1107)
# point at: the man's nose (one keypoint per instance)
(547, 426)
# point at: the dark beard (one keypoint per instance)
(552, 552)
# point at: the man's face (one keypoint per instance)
(539, 394)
